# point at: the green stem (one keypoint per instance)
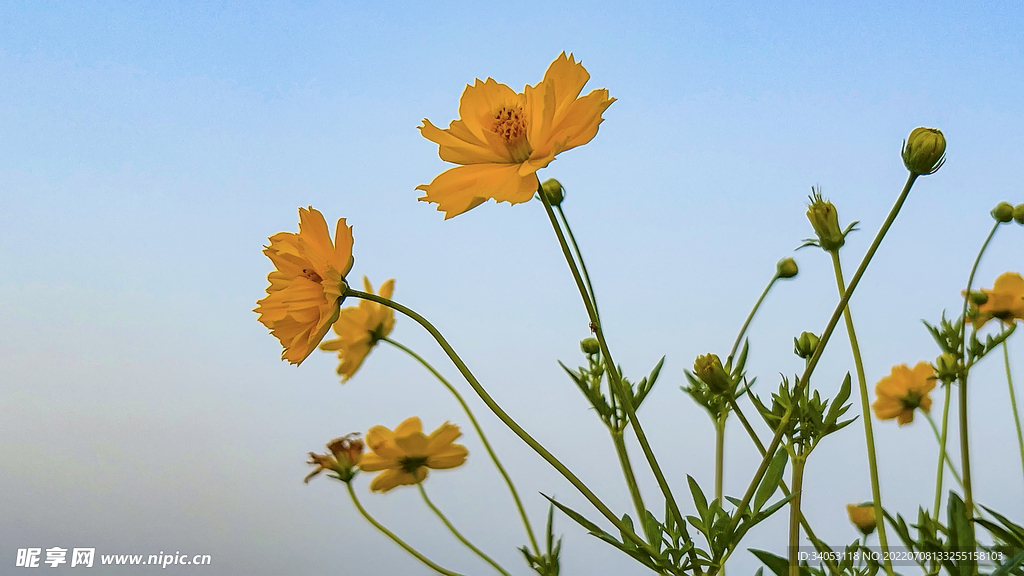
(750, 317)
(795, 516)
(720, 455)
(949, 462)
(812, 362)
(395, 538)
(480, 432)
(942, 449)
(1013, 405)
(865, 404)
(579, 256)
(503, 416)
(457, 534)
(627, 471)
(617, 386)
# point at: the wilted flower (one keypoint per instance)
(862, 516)
(924, 151)
(502, 137)
(306, 288)
(1004, 301)
(359, 328)
(405, 454)
(346, 452)
(903, 390)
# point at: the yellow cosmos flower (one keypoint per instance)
(405, 454)
(502, 137)
(899, 393)
(862, 516)
(359, 328)
(1005, 301)
(306, 287)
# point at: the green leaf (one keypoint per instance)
(770, 482)
(1013, 563)
(778, 565)
(960, 534)
(698, 499)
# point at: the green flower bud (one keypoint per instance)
(553, 191)
(786, 268)
(946, 367)
(805, 345)
(709, 369)
(825, 220)
(590, 346)
(978, 298)
(1003, 212)
(924, 151)
(1018, 213)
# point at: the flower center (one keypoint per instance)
(510, 123)
(911, 400)
(411, 464)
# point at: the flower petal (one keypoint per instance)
(386, 480)
(460, 189)
(454, 455)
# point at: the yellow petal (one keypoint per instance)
(372, 462)
(386, 480)
(411, 425)
(462, 188)
(454, 455)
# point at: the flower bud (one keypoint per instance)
(553, 191)
(786, 268)
(924, 151)
(590, 346)
(862, 516)
(946, 367)
(978, 298)
(825, 220)
(1018, 213)
(1003, 212)
(709, 369)
(805, 345)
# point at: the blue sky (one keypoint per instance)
(149, 149)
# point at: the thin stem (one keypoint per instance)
(720, 455)
(457, 534)
(627, 471)
(942, 448)
(617, 386)
(480, 432)
(746, 323)
(812, 362)
(579, 256)
(865, 404)
(795, 516)
(1013, 405)
(503, 416)
(395, 538)
(949, 462)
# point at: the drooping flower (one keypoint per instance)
(502, 137)
(1005, 301)
(306, 288)
(903, 390)
(346, 453)
(359, 328)
(862, 516)
(405, 454)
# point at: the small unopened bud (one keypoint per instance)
(709, 369)
(825, 220)
(862, 516)
(805, 345)
(553, 191)
(1003, 212)
(786, 268)
(1018, 213)
(946, 367)
(924, 151)
(978, 298)
(590, 346)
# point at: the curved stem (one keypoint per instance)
(627, 471)
(942, 449)
(480, 432)
(949, 462)
(812, 362)
(617, 386)
(583, 265)
(750, 317)
(395, 538)
(503, 416)
(457, 534)
(1013, 405)
(865, 405)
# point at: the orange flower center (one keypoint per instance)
(510, 123)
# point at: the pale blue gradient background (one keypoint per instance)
(148, 149)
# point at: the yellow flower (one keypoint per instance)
(306, 288)
(1005, 301)
(359, 328)
(502, 138)
(862, 516)
(405, 454)
(346, 452)
(899, 393)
